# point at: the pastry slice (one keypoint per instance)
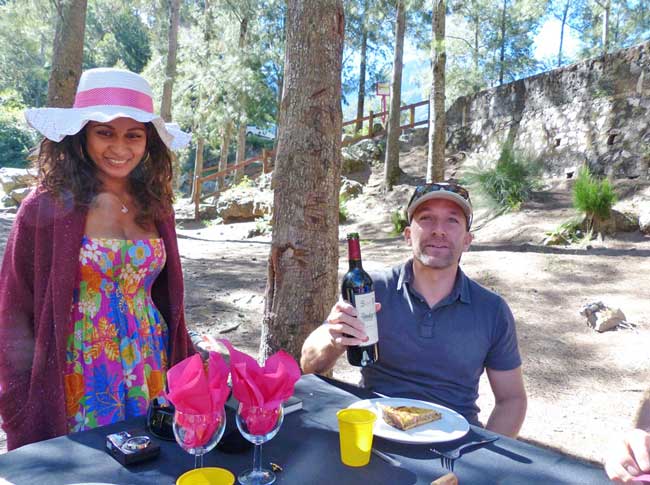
(408, 417)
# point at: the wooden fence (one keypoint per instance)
(373, 116)
(268, 156)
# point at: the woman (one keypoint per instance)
(91, 289)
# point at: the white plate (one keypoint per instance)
(450, 427)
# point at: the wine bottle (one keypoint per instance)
(358, 289)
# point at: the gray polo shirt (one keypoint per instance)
(438, 354)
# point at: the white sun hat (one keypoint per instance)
(103, 95)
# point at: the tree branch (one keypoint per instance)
(460, 38)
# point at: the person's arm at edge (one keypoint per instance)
(643, 414)
(510, 401)
(629, 454)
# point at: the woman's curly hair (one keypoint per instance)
(65, 167)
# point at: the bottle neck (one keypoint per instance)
(354, 253)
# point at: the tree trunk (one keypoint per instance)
(565, 12)
(302, 282)
(279, 115)
(362, 80)
(391, 164)
(67, 53)
(240, 154)
(437, 117)
(475, 51)
(241, 130)
(170, 68)
(198, 173)
(608, 7)
(223, 153)
(502, 55)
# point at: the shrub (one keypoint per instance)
(15, 138)
(510, 182)
(592, 196)
(399, 221)
(569, 232)
(244, 183)
(343, 208)
(262, 226)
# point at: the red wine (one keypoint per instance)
(357, 288)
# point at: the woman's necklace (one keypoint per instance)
(124, 209)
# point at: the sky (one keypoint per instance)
(546, 45)
(547, 41)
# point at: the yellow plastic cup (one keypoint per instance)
(355, 435)
(206, 476)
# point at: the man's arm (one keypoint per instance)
(629, 456)
(320, 352)
(328, 342)
(510, 401)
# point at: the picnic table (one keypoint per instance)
(307, 449)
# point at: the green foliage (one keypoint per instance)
(244, 183)
(263, 226)
(629, 24)
(115, 35)
(15, 138)
(26, 33)
(592, 196)
(399, 221)
(349, 129)
(343, 208)
(372, 19)
(510, 182)
(258, 142)
(569, 232)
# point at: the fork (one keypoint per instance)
(448, 458)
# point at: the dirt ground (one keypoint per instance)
(583, 387)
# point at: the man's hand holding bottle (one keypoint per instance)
(344, 325)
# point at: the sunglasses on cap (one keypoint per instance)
(452, 187)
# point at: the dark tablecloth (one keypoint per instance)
(306, 447)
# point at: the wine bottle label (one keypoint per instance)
(365, 305)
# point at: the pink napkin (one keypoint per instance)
(261, 387)
(192, 391)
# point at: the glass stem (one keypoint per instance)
(198, 461)
(257, 458)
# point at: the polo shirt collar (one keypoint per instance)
(460, 291)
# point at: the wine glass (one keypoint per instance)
(199, 433)
(258, 425)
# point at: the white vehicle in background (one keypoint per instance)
(261, 132)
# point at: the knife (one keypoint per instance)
(388, 459)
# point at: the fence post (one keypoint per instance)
(371, 120)
(197, 195)
(412, 116)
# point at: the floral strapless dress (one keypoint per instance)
(117, 344)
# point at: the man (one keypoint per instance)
(438, 329)
(630, 456)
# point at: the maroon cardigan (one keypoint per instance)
(37, 280)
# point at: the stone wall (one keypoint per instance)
(595, 112)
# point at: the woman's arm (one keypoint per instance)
(16, 323)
